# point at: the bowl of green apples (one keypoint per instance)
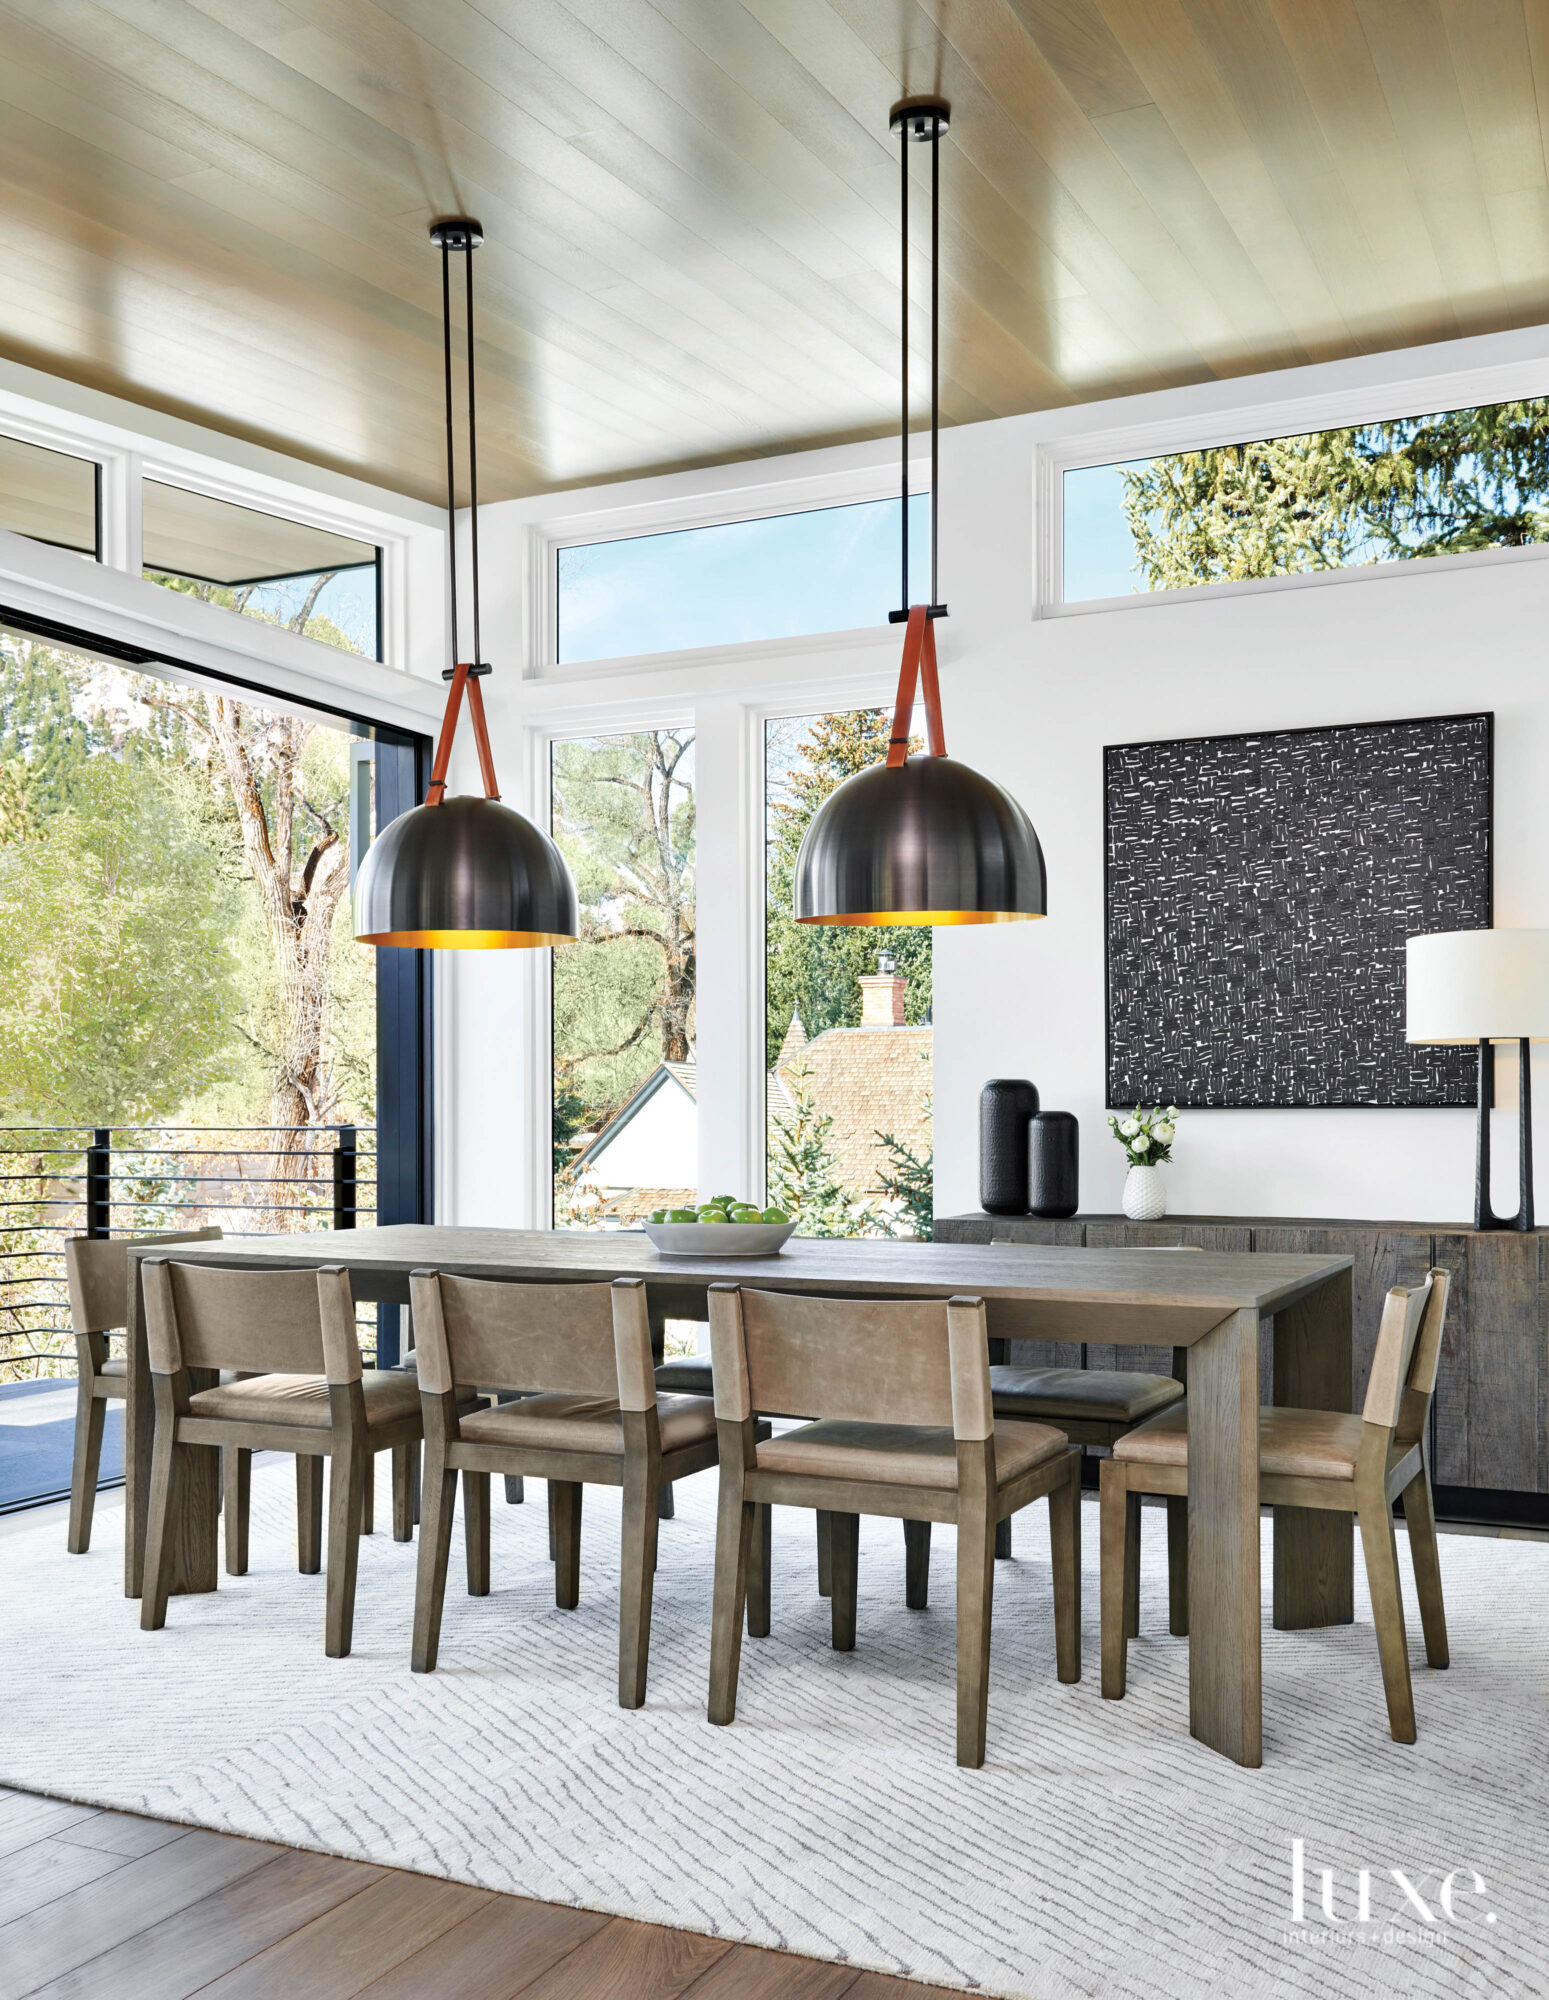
(721, 1228)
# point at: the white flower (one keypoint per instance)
(1140, 1145)
(1166, 1132)
(1129, 1127)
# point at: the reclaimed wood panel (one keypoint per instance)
(1506, 1363)
(1450, 1405)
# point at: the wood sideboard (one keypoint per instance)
(1490, 1417)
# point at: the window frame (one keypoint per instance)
(691, 507)
(1238, 423)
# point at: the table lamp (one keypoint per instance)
(1485, 987)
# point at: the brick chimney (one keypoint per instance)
(882, 996)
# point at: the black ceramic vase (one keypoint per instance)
(1054, 1164)
(1007, 1106)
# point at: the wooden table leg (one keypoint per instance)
(196, 1536)
(1314, 1565)
(1225, 1708)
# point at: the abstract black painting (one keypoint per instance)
(1259, 892)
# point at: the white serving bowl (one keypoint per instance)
(719, 1239)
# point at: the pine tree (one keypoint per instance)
(803, 1172)
(1437, 485)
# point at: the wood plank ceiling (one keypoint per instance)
(218, 207)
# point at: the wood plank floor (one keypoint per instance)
(104, 1906)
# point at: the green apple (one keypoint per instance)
(658, 1215)
(711, 1215)
(681, 1215)
(774, 1215)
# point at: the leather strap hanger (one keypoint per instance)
(463, 676)
(919, 667)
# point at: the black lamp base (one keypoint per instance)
(1484, 1215)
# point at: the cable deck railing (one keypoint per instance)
(249, 1180)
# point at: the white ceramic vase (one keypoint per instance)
(1145, 1198)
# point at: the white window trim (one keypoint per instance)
(729, 818)
(674, 513)
(130, 445)
(1239, 423)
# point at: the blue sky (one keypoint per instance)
(828, 570)
(1099, 549)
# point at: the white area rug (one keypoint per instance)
(1099, 1852)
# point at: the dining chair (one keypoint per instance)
(591, 1416)
(1318, 1458)
(1098, 1406)
(900, 1395)
(97, 1282)
(310, 1396)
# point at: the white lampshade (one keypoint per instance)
(1471, 986)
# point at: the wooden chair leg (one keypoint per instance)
(825, 1552)
(637, 1573)
(666, 1506)
(405, 1495)
(237, 1490)
(309, 1513)
(476, 1531)
(346, 1471)
(1178, 1565)
(975, 1606)
(368, 1497)
(567, 1542)
(760, 1549)
(440, 1497)
(1065, 1549)
(1114, 1523)
(166, 1468)
(1132, 1532)
(553, 1537)
(844, 1537)
(733, 1540)
(1381, 1551)
(1420, 1519)
(516, 1493)
(90, 1415)
(1003, 1540)
(916, 1564)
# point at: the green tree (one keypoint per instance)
(909, 1179)
(624, 992)
(1438, 485)
(802, 1170)
(117, 989)
(814, 970)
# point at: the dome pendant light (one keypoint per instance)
(463, 873)
(919, 840)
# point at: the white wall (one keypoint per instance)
(1032, 700)
(1032, 703)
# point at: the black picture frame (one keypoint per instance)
(1257, 890)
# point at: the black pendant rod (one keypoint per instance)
(935, 340)
(451, 474)
(903, 367)
(922, 119)
(473, 471)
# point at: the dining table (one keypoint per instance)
(1212, 1303)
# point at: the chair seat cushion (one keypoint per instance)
(390, 1395)
(585, 1423)
(1095, 1395)
(689, 1375)
(116, 1367)
(900, 1454)
(1298, 1444)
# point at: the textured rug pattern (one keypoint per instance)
(1100, 1852)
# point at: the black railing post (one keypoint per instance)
(345, 1165)
(99, 1190)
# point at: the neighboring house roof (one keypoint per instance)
(680, 1076)
(869, 1081)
